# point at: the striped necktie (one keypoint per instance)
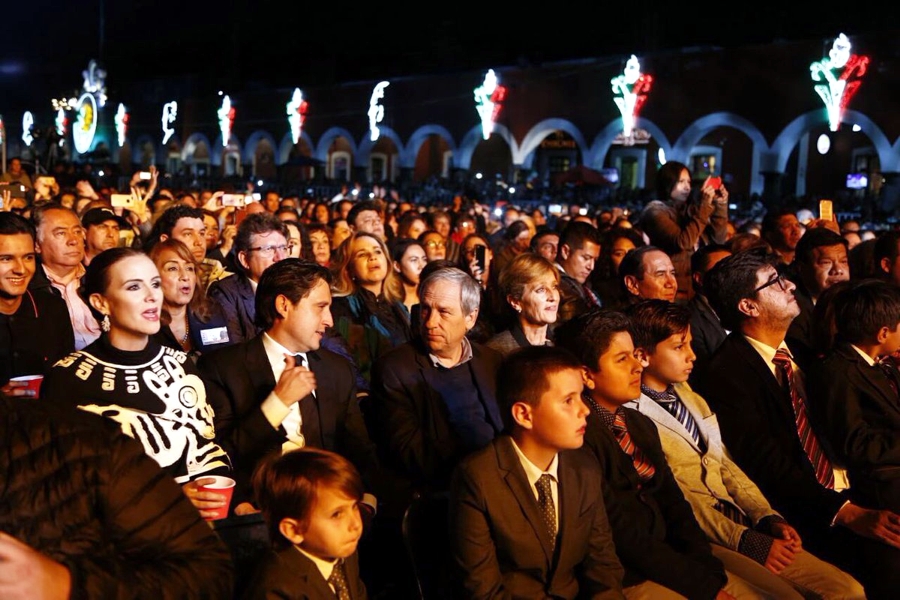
(820, 462)
(670, 401)
(642, 465)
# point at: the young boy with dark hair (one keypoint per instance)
(526, 513)
(310, 501)
(857, 382)
(750, 538)
(662, 548)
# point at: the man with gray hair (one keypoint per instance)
(434, 398)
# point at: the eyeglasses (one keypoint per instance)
(779, 279)
(435, 244)
(269, 251)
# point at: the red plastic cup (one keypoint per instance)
(221, 485)
(33, 381)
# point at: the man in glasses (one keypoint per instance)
(759, 394)
(261, 241)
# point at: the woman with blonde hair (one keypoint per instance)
(367, 305)
(530, 284)
(189, 321)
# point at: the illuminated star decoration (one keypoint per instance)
(841, 74)
(226, 119)
(489, 97)
(632, 88)
(296, 112)
(121, 124)
(169, 113)
(376, 111)
(27, 124)
(95, 82)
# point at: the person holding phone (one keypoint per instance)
(679, 224)
(477, 259)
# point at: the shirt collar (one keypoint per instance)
(325, 567)
(275, 353)
(532, 471)
(865, 356)
(767, 352)
(464, 358)
(667, 395)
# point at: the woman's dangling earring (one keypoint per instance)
(104, 324)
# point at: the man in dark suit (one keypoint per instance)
(280, 390)
(706, 329)
(526, 514)
(434, 398)
(759, 403)
(261, 241)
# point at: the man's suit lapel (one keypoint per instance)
(308, 576)
(664, 418)
(325, 394)
(749, 354)
(258, 367)
(514, 476)
(871, 379)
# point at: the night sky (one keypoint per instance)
(260, 43)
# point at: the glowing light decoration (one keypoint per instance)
(2, 129)
(27, 124)
(376, 111)
(631, 89)
(85, 123)
(489, 97)
(169, 114)
(121, 124)
(226, 115)
(296, 112)
(95, 82)
(823, 144)
(841, 74)
(61, 123)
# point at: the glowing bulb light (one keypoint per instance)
(169, 113)
(226, 115)
(489, 97)
(121, 124)
(840, 74)
(631, 88)
(376, 110)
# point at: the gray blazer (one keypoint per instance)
(705, 478)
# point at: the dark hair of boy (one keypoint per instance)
(861, 310)
(654, 321)
(524, 377)
(589, 334)
(285, 486)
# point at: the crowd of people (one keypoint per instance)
(601, 403)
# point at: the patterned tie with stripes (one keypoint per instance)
(670, 401)
(642, 465)
(820, 462)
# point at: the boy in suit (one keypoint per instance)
(747, 534)
(858, 385)
(662, 548)
(310, 500)
(526, 514)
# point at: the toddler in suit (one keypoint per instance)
(310, 500)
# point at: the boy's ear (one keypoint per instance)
(522, 415)
(292, 530)
(643, 356)
(882, 335)
(586, 378)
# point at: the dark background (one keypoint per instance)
(244, 44)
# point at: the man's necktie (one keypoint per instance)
(820, 462)
(887, 367)
(548, 508)
(672, 403)
(644, 467)
(338, 581)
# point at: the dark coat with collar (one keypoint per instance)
(500, 544)
(288, 574)
(239, 377)
(758, 427)
(413, 424)
(655, 532)
(860, 412)
(238, 301)
(707, 334)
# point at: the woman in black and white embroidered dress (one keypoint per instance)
(154, 392)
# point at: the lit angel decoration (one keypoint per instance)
(27, 124)
(840, 74)
(169, 114)
(121, 124)
(296, 112)
(631, 88)
(489, 97)
(226, 119)
(61, 122)
(376, 111)
(95, 82)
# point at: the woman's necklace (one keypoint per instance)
(187, 330)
